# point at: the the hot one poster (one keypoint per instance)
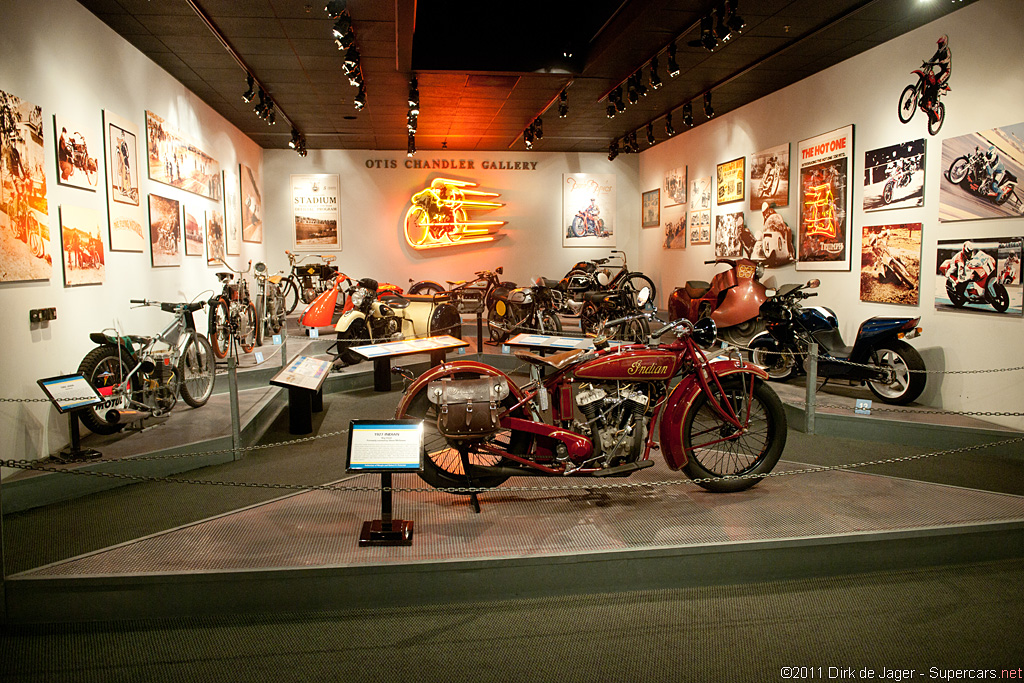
(823, 233)
(588, 210)
(315, 211)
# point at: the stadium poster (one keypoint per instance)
(316, 215)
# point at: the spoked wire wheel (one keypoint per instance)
(196, 371)
(716, 448)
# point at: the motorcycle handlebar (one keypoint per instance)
(138, 301)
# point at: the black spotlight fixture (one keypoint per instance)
(251, 92)
(613, 150)
(538, 128)
(261, 106)
(414, 97)
(342, 27)
(688, 115)
(412, 122)
(351, 64)
(411, 149)
(707, 38)
(294, 142)
(708, 109)
(360, 99)
(669, 128)
(650, 133)
(655, 78)
(620, 106)
(563, 104)
(334, 8)
(735, 22)
(271, 114)
(634, 147)
(528, 137)
(638, 79)
(673, 67)
(722, 32)
(610, 110)
(632, 94)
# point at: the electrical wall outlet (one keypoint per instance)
(35, 315)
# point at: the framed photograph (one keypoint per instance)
(890, 263)
(25, 247)
(165, 231)
(82, 240)
(124, 211)
(769, 178)
(588, 210)
(894, 176)
(732, 237)
(252, 206)
(76, 148)
(823, 230)
(651, 213)
(316, 213)
(773, 246)
(979, 275)
(195, 225)
(675, 227)
(730, 181)
(178, 162)
(232, 214)
(215, 253)
(675, 186)
(700, 211)
(978, 172)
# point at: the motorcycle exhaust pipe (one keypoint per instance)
(126, 416)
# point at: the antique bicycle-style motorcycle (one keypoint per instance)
(270, 305)
(469, 296)
(307, 281)
(232, 314)
(142, 376)
(719, 422)
(522, 309)
(591, 276)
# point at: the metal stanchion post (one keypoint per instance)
(3, 569)
(284, 343)
(236, 431)
(812, 381)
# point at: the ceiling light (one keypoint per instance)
(707, 38)
(613, 150)
(412, 122)
(638, 79)
(563, 104)
(735, 23)
(631, 92)
(414, 97)
(345, 42)
(271, 114)
(334, 8)
(251, 92)
(294, 142)
(261, 105)
(655, 78)
(610, 110)
(708, 110)
(650, 133)
(351, 61)
(342, 27)
(722, 31)
(528, 137)
(673, 68)
(411, 150)
(538, 128)
(360, 99)
(688, 115)
(669, 129)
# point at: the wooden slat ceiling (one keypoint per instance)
(486, 70)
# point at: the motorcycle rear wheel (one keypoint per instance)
(196, 371)
(908, 103)
(715, 449)
(780, 365)
(442, 466)
(104, 367)
(935, 124)
(909, 367)
(247, 328)
(291, 295)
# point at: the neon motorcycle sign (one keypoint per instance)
(439, 215)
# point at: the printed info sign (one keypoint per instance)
(824, 223)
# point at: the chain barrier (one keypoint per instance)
(840, 361)
(25, 465)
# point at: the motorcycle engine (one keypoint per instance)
(159, 383)
(614, 419)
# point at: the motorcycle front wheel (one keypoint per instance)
(908, 103)
(998, 297)
(261, 322)
(955, 293)
(887, 192)
(291, 295)
(196, 371)
(634, 282)
(220, 328)
(779, 364)
(357, 334)
(247, 328)
(958, 170)
(909, 378)
(442, 466)
(635, 331)
(716, 449)
(550, 324)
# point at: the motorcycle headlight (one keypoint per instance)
(604, 277)
(358, 297)
(705, 331)
(643, 296)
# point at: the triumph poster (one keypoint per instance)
(588, 210)
(123, 205)
(24, 216)
(769, 178)
(980, 175)
(890, 263)
(980, 275)
(823, 231)
(894, 177)
(316, 213)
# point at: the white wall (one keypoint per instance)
(56, 54)
(374, 202)
(987, 91)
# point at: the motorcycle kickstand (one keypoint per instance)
(464, 456)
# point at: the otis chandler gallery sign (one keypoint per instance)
(454, 164)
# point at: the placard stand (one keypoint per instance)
(70, 394)
(74, 451)
(386, 530)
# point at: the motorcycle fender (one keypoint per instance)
(347, 319)
(321, 311)
(764, 339)
(681, 400)
(741, 303)
(454, 367)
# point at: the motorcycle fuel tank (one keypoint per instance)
(631, 365)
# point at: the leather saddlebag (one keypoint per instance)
(468, 408)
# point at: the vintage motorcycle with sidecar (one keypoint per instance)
(720, 421)
(893, 369)
(732, 299)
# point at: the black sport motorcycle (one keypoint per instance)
(522, 309)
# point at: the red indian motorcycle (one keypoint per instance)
(732, 300)
(721, 421)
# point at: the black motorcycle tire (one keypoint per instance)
(291, 295)
(442, 466)
(276, 311)
(220, 331)
(590, 318)
(446, 320)
(357, 334)
(636, 331)
(780, 364)
(887, 192)
(935, 124)
(550, 322)
(908, 103)
(425, 287)
(955, 293)
(99, 361)
(637, 281)
(261, 322)
(755, 452)
(247, 324)
(1001, 300)
(496, 326)
(914, 365)
(196, 370)
(958, 170)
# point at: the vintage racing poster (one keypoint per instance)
(823, 232)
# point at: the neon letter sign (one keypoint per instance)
(439, 215)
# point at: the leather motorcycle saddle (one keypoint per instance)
(695, 289)
(556, 361)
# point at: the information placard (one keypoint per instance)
(303, 373)
(69, 392)
(385, 446)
